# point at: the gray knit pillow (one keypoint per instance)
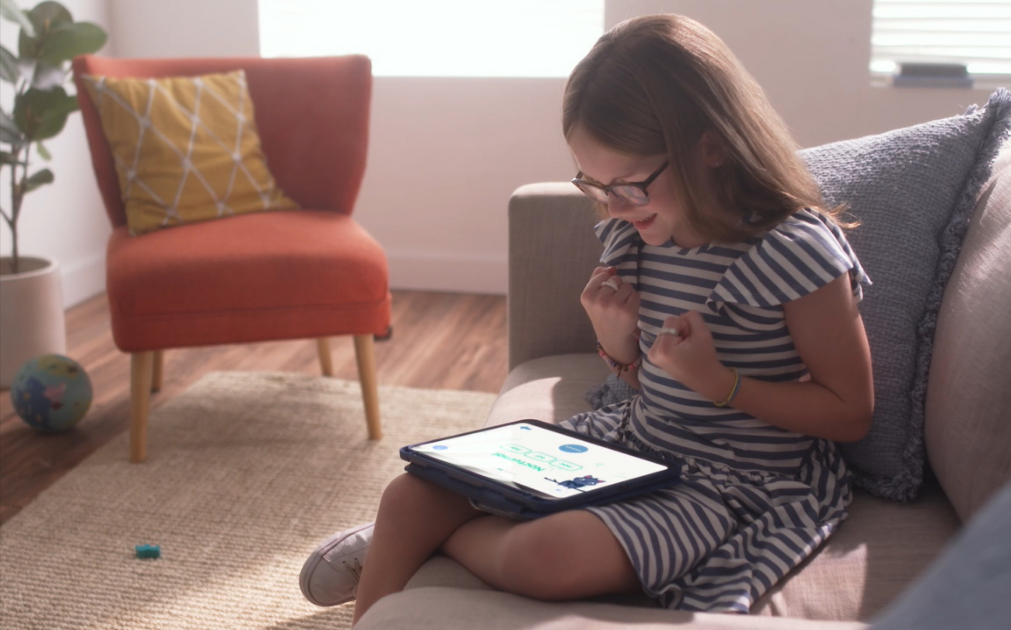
(913, 191)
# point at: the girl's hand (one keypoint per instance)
(613, 308)
(686, 352)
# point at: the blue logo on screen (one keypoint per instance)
(572, 448)
(439, 447)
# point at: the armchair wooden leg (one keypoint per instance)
(157, 370)
(141, 367)
(366, 355)
(323, 349)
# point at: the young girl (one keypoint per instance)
(727, 297)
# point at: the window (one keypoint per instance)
(938, 42)
(530, 38)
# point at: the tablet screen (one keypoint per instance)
(550, 463)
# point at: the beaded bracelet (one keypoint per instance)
(614, 365)
(733, 390)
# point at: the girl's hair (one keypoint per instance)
(653, 85)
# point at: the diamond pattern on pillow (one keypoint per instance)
(186, 149)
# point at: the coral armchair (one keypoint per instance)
(307, 273)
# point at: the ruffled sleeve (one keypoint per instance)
(798, 256)
(621, 248)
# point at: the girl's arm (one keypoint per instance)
(615, 319)
(838, 400)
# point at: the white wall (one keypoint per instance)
(65, 220)
(446, 153)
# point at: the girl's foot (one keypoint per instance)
(330, 575)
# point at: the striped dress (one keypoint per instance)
(755, 500)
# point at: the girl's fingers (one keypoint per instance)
(693, 322)
(671, 326)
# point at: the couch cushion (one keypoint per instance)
(968, 413)
(881, 548)
(551, 389)
(442, 608)
(968, 586)
(879, 551)
(440, 571)
(913, 190)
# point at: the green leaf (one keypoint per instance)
(8, 66)
(41, 178)
(10, 10)
(67, 41)
(28, 45)
(40, 115)
(43, 151)
(45, 17)
(9, 131)
(10, 138)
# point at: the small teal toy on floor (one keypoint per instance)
(51, 393)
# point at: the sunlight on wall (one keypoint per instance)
(449, 38)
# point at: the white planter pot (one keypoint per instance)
(31, 314)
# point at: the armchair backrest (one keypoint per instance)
(312, 115)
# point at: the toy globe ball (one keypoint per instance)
(51, 393)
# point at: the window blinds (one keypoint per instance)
(971, 33)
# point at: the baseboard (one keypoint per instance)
(448, 273)
(83, 280)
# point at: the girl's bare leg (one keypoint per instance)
(564, 556)
(415, 517)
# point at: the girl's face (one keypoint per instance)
(663, 218)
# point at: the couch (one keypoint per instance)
(957, 421)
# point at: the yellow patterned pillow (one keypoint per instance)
(186, 149)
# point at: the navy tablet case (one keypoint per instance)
(504, 500)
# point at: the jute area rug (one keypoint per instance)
(246, 474)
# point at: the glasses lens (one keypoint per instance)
(597, 194)
(632, 195)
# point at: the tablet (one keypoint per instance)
(530, 468)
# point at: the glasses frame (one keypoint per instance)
(590, 189)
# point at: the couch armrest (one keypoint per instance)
(552, 250)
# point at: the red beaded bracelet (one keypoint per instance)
(614, 365)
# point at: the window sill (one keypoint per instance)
(973, 82)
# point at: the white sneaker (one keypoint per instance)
(330, 575)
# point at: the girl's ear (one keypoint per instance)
(714, 149)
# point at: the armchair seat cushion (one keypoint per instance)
(256, 277)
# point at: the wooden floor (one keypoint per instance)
(440, 341)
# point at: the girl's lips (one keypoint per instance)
(644, 223)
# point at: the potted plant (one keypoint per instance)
(31, 303)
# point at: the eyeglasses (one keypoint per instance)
(632, 193)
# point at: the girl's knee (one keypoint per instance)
(406, 494)
(536, 561)
(409, 496)
(568, 556)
